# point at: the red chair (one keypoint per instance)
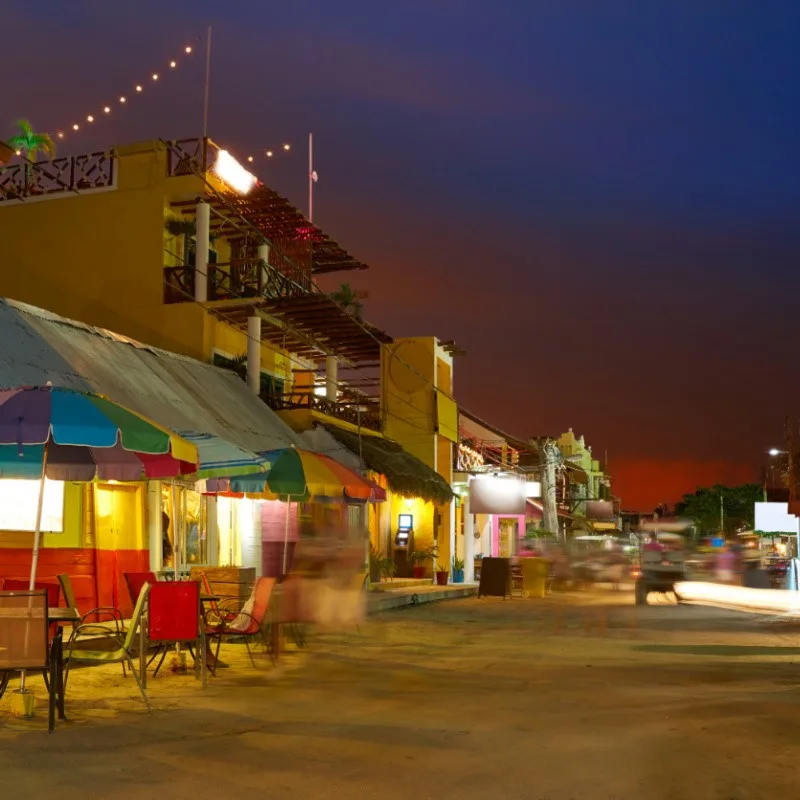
(53, 589)
(247, 623)
(173, 616)
(136, 580)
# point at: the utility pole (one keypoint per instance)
(547, 468)
(721, 514)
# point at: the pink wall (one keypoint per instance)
(496, 530)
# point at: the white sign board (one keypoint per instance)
(775, 518)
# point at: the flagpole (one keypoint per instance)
(207, 82)
(310, 177)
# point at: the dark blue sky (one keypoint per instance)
(607, 193)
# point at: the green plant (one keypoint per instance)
(420, 555)
(442, 568)
(29, 144)
(458, 564)
(380, 566)
(348, 300)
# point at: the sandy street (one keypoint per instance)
(582, 696)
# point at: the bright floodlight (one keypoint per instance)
(233, 173)
(774, 451)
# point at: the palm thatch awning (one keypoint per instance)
(405, 474)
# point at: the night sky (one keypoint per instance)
(597, 200)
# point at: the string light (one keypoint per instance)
(286, 147)
(123, 99)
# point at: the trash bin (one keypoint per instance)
(534, 576)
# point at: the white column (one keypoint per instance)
(154, 534)
(331, 378)
(469, 541)
(254, 353)
(452, 533)
(203, 226)
(263, 255)
(212, 532)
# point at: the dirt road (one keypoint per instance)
(583, 697)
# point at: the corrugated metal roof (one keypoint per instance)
(180, 393)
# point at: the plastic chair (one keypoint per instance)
(118, 653)
(136, 580)
(173, 616)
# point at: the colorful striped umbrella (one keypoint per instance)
(69, 435)
(299, 475)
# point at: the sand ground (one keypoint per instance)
(579, 696)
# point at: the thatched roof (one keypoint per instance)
(405, 474)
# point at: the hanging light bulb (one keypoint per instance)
(188, 49)
(138, 87)
(269, 154)
(123, 99)
(107, 109)
(155, 76)
(75, 127)
(173, 64)
(287, 147)
(90, 118)
(60, 134)
(250, 159)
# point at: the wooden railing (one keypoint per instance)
(364, 413)
(245, 278)
(68, 174)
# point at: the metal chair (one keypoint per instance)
(119, 649)
(136, 580)
(24, 645)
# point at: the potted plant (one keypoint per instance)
(442, 574)
(418, 559)
(380, 566)
(458, 570)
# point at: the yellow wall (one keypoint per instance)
(98, 257)
(411, 371)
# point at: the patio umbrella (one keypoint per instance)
(67, 435)
(297, 475)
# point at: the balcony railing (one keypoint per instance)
(247, 278)
(68, 174)
(364, 414)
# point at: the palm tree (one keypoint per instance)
(29, 144)
(348, 300)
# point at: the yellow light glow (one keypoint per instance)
(173, 64)
(155, 76)
(250, 159)
(188, 49)
(18, 152)
(18, 501)
(107, 109)
(123, 99)
(75, 126)
(90, 118)
(269, 153)
(60, 134)
(233, 173)
(287, 147)
(138, 88)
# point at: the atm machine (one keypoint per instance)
(403, 545)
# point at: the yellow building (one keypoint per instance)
(175, 244)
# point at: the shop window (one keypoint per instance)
(185, 520)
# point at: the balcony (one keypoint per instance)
(238, 279)
(364, 413)
(73, 174)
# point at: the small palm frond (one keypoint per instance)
(180, 227)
